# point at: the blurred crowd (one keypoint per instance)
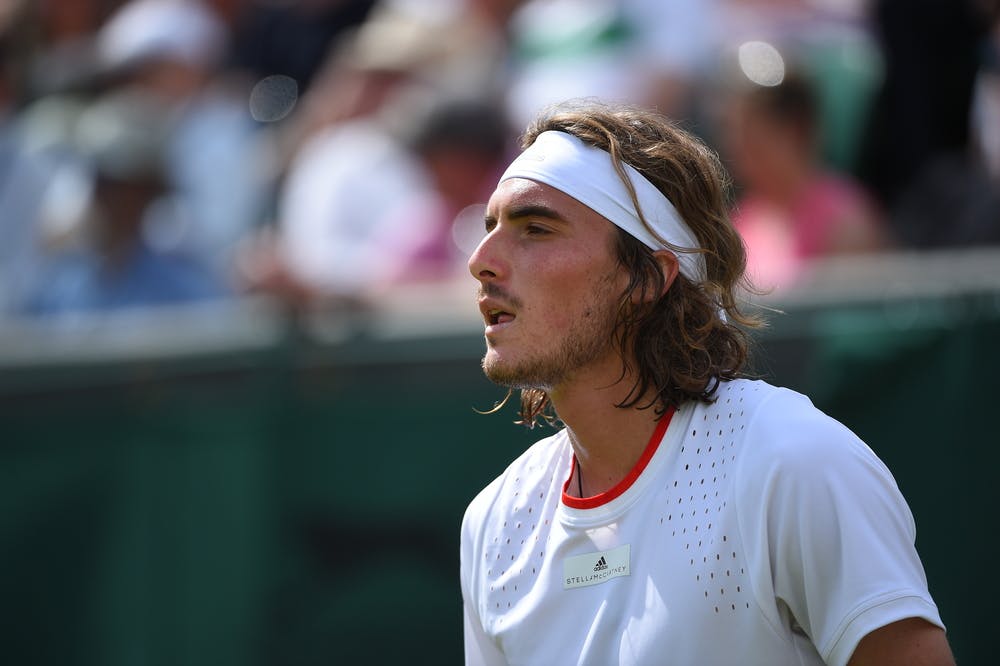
(324, 151)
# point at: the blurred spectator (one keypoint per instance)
(112, 264)
(57, 38)
(24, 174)
(214, 156)
(792, 208)
(641, 51)
(986, 100)
(462, 147)
(101, 235)
(396, 137)
(291, 38)
(459, 46)
(831, 42)
(348, 169)
(920, 160)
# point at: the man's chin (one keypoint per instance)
(509, 375)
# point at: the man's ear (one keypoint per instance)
(669, 267)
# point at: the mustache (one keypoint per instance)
(491, 290)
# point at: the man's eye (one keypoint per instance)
(536, 230)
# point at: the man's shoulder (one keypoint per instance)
(757, 406)
(528, 472)
(752, 401)
(780, 433)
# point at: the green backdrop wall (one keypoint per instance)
(297, 502)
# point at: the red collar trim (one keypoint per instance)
(603, 498)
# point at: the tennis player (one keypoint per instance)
(682, 514)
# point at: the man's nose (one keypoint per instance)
(485, 263)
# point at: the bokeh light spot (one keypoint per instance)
(468, 228)
(273, 98)
(762, 63)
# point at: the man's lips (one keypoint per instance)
(498, 321)
(497, 315)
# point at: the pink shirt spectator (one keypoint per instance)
(830, 216)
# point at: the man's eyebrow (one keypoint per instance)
(518, 211)
(522, 211)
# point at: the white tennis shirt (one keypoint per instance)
(755, 530)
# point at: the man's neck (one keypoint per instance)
(607, 440)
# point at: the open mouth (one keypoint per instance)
(495, 317)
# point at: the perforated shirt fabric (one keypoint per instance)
(761, 531)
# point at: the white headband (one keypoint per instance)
(587, 174)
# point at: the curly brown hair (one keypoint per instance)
(686, 341)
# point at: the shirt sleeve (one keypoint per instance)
(480, 649)
(832, 537)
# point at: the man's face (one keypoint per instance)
(550, 285)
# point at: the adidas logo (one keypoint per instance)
(601, 565)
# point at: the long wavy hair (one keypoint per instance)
(684, 342)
